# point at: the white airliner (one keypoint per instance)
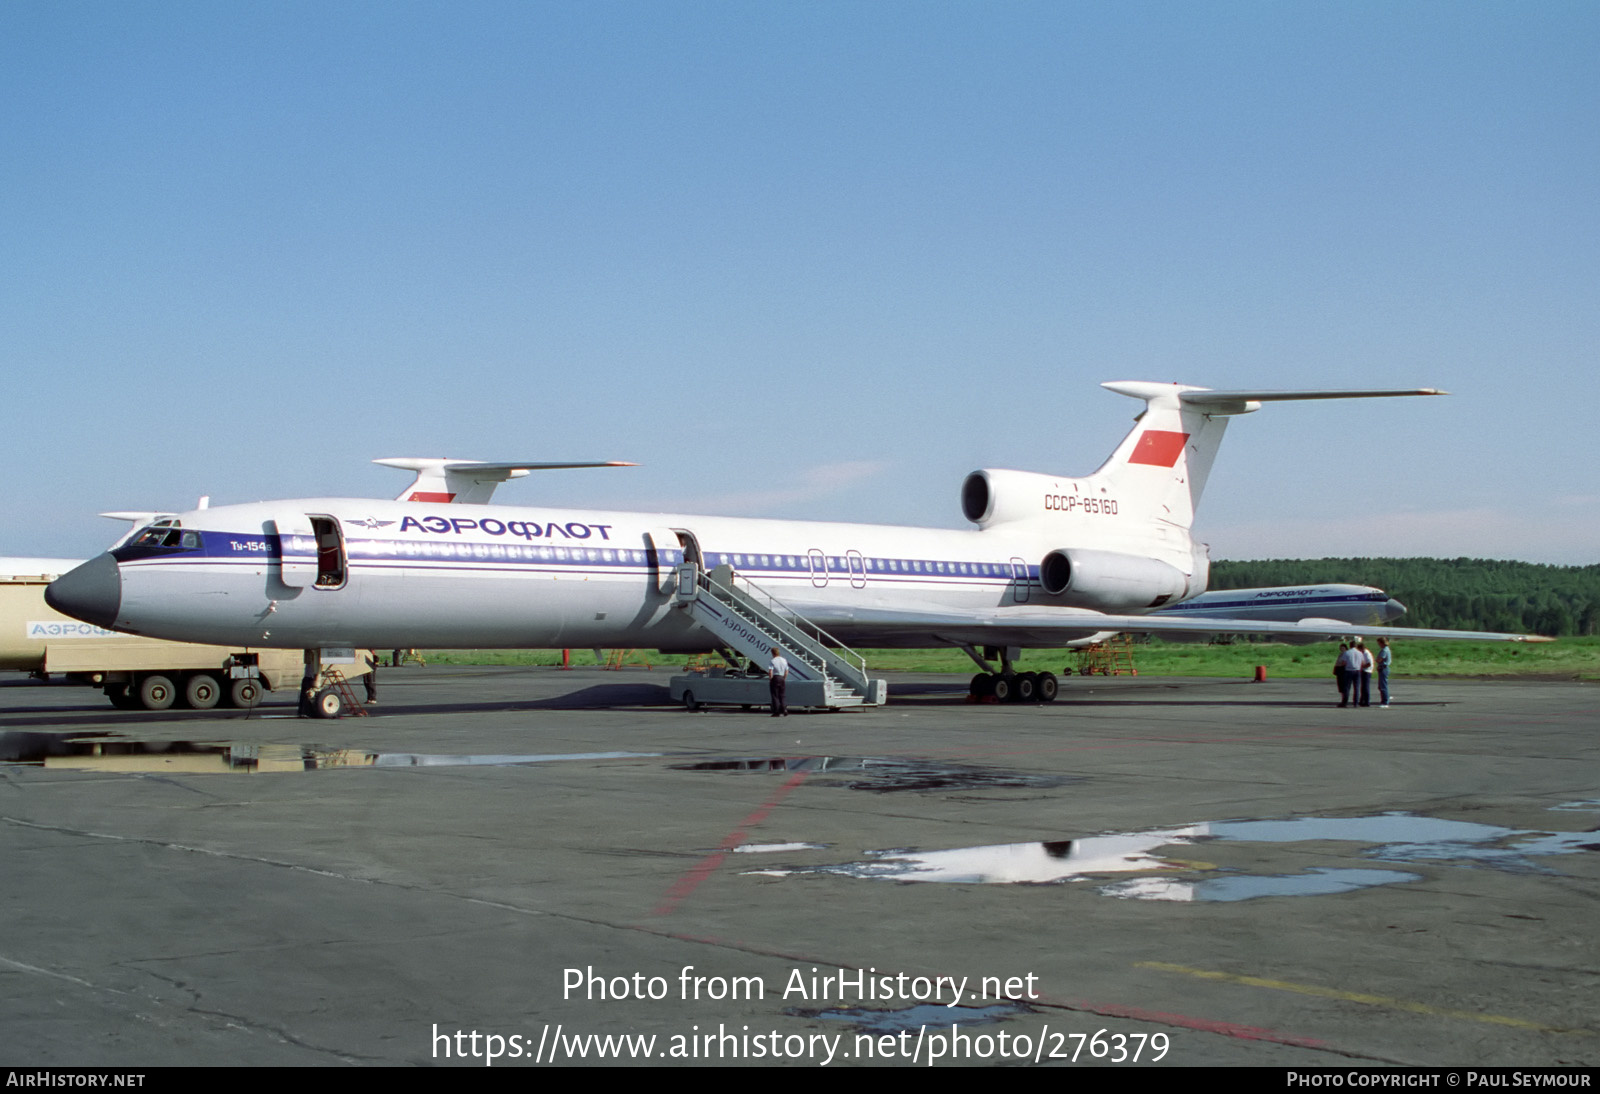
(1052, 561)
(1350, 606)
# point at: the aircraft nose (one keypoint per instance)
(92, 592)
(1393, 609)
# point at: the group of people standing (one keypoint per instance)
(1353, 671)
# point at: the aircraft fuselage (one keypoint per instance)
(500, 576)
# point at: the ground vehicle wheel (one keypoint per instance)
(244, 693)
(328, 704)
(1048, 688)
(1027, 686)
(690, 703)
(201, 691)
(122, 697)
(1003, 687)
(156, 692)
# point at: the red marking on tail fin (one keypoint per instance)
(1159, 447)
(431, 495)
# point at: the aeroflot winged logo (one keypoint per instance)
(1159, 448)
(372, 522)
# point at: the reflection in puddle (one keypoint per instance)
(884, 774)
(1314, 882)
(770, 848)
(1390, 837)
(931, 1015)
(109, 752)
(422, 759)
(1589, 806)
(1013, 863)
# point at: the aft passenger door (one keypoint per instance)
(666, 551)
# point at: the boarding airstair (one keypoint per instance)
(747, 619)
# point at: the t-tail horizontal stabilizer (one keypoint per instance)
(1160, 469)
(469, 482)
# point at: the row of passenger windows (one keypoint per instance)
(170, 535)
(512, 551)
(839, 564)
(834, 564)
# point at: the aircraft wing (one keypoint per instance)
(1035, 627)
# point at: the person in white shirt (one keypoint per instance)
(1352, 659)
(777, 681)
(1362, 694)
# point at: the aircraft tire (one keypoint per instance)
(1003, 687)
(201, 691)
(327, 704)
(690, 703)
(122, 697)
(244, 693)
(1048, 688)
(982, 685)
(156, 692)
(1027, 687)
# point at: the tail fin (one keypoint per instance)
(1160, 468)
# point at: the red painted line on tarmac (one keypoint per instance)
(703, 869)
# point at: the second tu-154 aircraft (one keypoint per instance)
(1052, 561)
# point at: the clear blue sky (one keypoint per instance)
(804, 259)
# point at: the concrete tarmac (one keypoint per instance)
(514, 861)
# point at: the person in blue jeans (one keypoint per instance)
(1385, 656)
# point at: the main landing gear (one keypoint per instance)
(1014, 687)
(1008, 685)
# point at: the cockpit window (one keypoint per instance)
(166, 533)
(163, 533)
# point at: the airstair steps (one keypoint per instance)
(751, 621)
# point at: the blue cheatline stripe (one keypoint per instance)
(1299, 602)
(244, 548)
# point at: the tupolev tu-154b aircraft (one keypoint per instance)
(1052, 561)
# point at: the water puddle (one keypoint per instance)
(931, 1015)
(1405, 837)
(884, 774)
(1387, 837)
(112, 752)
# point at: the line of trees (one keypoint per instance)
(1472, 594)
